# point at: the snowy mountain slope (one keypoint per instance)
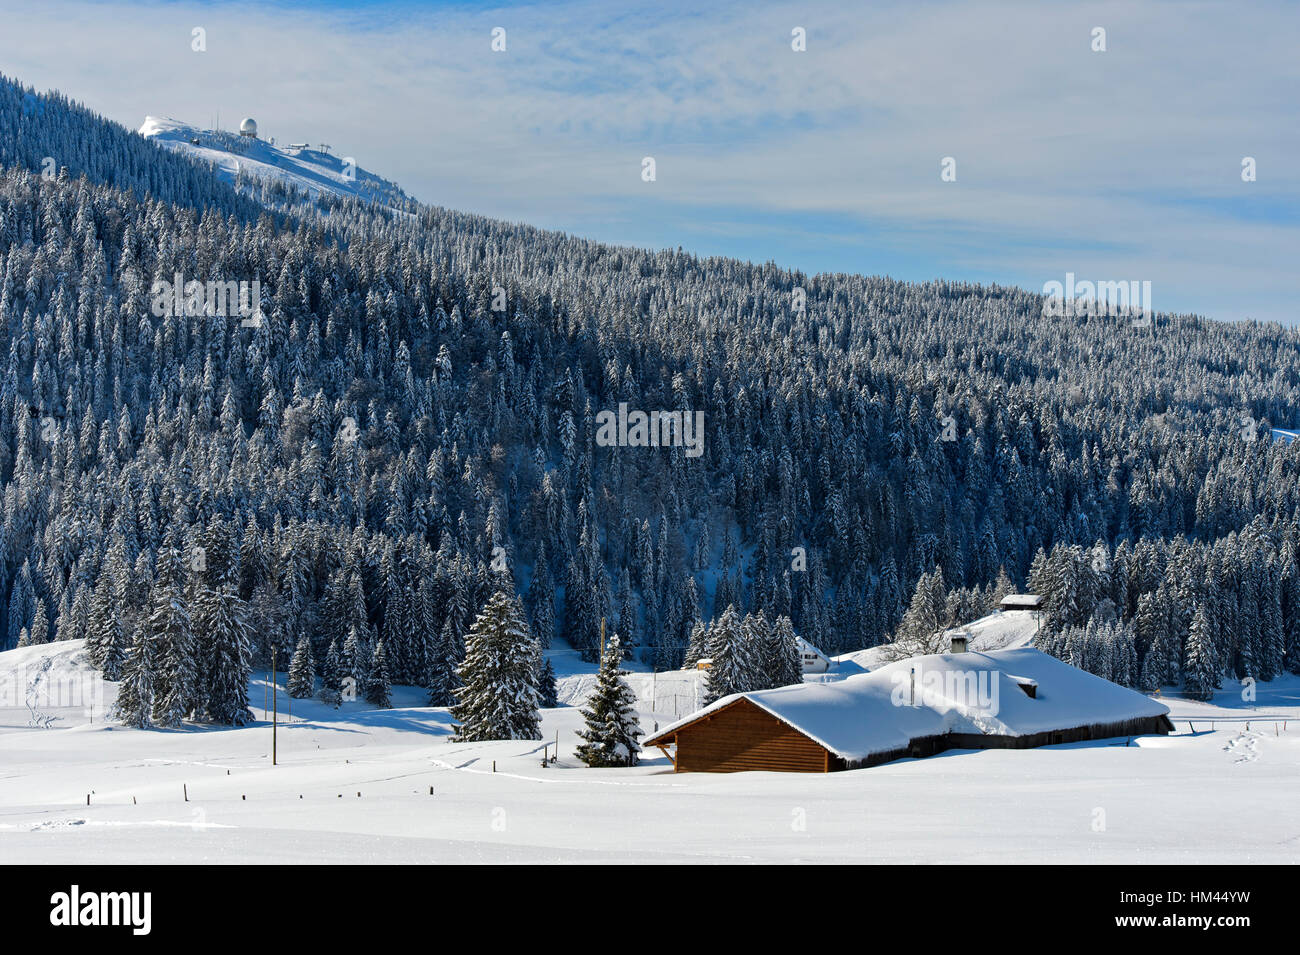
(315, 171)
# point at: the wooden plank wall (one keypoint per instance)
(742, 737)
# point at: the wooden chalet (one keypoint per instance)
(1032, 700)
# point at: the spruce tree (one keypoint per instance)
(498, 697)
(736, 664)
(331, 672)
(546, 688)
(1198, 673)
(168, 628)
(302, 671)
(135, 696)
(697, 648)
(39, 632)
(612, 728)
(784, 655)
(224, 635)
(443, 681)
(378, 688)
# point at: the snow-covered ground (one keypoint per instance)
(1223, 793)
(312, 170)
(1000, 630)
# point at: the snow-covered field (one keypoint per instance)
(1223, 793)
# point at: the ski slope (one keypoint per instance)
(1224, 793)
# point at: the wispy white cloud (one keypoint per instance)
(1123, 164)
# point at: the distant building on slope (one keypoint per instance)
(1029, 602)
(248, 128)
(812, 659)
(1021, 602)
(1003, 699)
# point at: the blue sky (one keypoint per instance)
(1115, 165)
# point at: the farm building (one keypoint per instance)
(1022, 602)
(812, 659)
(1003, 699)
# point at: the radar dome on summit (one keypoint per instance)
(248, 128)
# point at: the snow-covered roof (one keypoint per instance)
(871, 713)
(1022, 601)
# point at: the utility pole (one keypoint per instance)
(275, 711)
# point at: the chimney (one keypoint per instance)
(959, 641)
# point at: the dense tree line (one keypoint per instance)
(410, 426)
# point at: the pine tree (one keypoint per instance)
(378, 689)
(135, 696)
(331, 673)
(1153, 667)
(920, 630)
(698, 646)
(498, 698)
(546, 688)
(1198, 673)
(736, 664)
(612, 728)
(167, 627)
(39, 632)
(785, 659)
(106, 640)
(224, 634)
(442, 680)
(302, 671)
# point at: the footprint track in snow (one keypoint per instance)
(1244, 748)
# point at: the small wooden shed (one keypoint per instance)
(742, 736)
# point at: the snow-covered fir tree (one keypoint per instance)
(443, 679)
(377, 687)
(498, 698)
(1199, 672)
(222, 631)
(783, 661)
(548, 694)
(736, 661)
(374, 438)
(134, 704)
(302, 671)
(167, 628)
(612, 727)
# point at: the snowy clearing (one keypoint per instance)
(1224, 794)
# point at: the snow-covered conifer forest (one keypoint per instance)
(385, 449)
(388, 480)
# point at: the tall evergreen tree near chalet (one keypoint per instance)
(498, 698)
(612, 728)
